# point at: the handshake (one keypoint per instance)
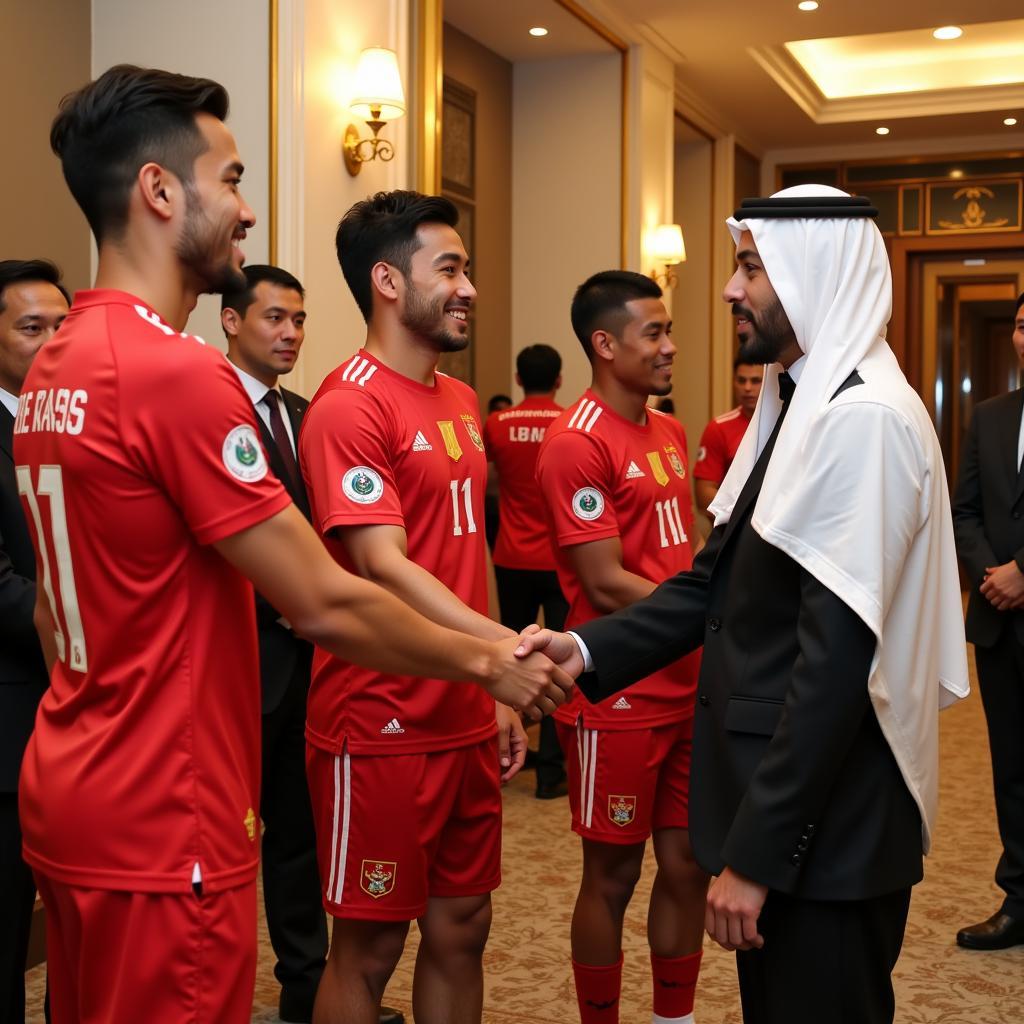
(534, 672)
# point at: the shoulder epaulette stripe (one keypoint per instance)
(357, 361)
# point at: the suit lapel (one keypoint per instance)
(1008, 435)
(6, 432)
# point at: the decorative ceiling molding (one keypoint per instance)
(783, 69)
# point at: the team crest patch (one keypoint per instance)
(588, 503)
(657, 467)
(621, 810)
(675, 462)
(243, 454)
(377, 877)
(473, 430)
(702, 453)
(363, 485)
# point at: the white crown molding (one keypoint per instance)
(788, 75)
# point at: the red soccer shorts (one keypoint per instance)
(394, 830)
(118, 957)
(625, 785)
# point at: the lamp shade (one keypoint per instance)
(378, 84)
(667, 244)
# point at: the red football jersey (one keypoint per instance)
(512, 438)
(719, 443)
(602, 476)
(136, 449)
(377, 447)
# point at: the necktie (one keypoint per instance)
(786, 388)
(272, 400)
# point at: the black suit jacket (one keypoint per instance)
(988, 510)
(280, 649)
(792, 783)
(23, 676)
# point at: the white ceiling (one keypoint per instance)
(729, 59)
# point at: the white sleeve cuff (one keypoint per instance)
(588, 661)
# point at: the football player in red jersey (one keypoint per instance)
(722, 436)
(405, 770)
(524, 562)
(149, 502)
(614, 478)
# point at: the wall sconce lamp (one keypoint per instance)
(666, 246)
(378, 99)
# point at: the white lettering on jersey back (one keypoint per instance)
(359, 371)
(634, 471)
(622, 705)
(52, 411)
(392, 728)
(531, 435)
(154, 321)
(585, 416)
(421, 444)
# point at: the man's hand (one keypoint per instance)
(1003, 586)
(530, 683)
(511, 742)
(559, 647)
(733, 907)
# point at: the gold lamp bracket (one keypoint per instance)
(352, 162)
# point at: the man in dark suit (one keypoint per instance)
(265, 328)
(988, 517)
(33, 303)
(828, 605)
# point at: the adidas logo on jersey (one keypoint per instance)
(421, 444)
(392, 728)
(632, 473)
(622, 704)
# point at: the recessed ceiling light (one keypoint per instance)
(948, 32)
(956, 173)
(882, 131)
(808, 5)
(538, 31)
(1009, 121)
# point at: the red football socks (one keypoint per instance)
(675, 981)
(597, 991)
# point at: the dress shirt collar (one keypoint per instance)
(255, 389)
(9, 402)
(797, 368)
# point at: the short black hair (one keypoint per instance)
(600, 303)
(739, 361)
(128, 117)
(538, 367)
(16, 271)
(1020, 302)
(240, 299)
(382, 228)
(498, 400)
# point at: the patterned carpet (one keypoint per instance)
(528, 976)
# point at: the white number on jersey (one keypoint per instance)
(668, 514)
(467, 501)
(51, 485)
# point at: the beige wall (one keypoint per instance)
(694, 293)
(320, 41)
(126, 31)
(45, 56)
(566, 161)
(490, 76)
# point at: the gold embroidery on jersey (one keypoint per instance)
(451, 442)
(249, 821)
(657, 467)
(473, 431)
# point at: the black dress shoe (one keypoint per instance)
(1000, 931)
(552, 791)
(388, 1015)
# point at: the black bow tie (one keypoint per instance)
(786, 387)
